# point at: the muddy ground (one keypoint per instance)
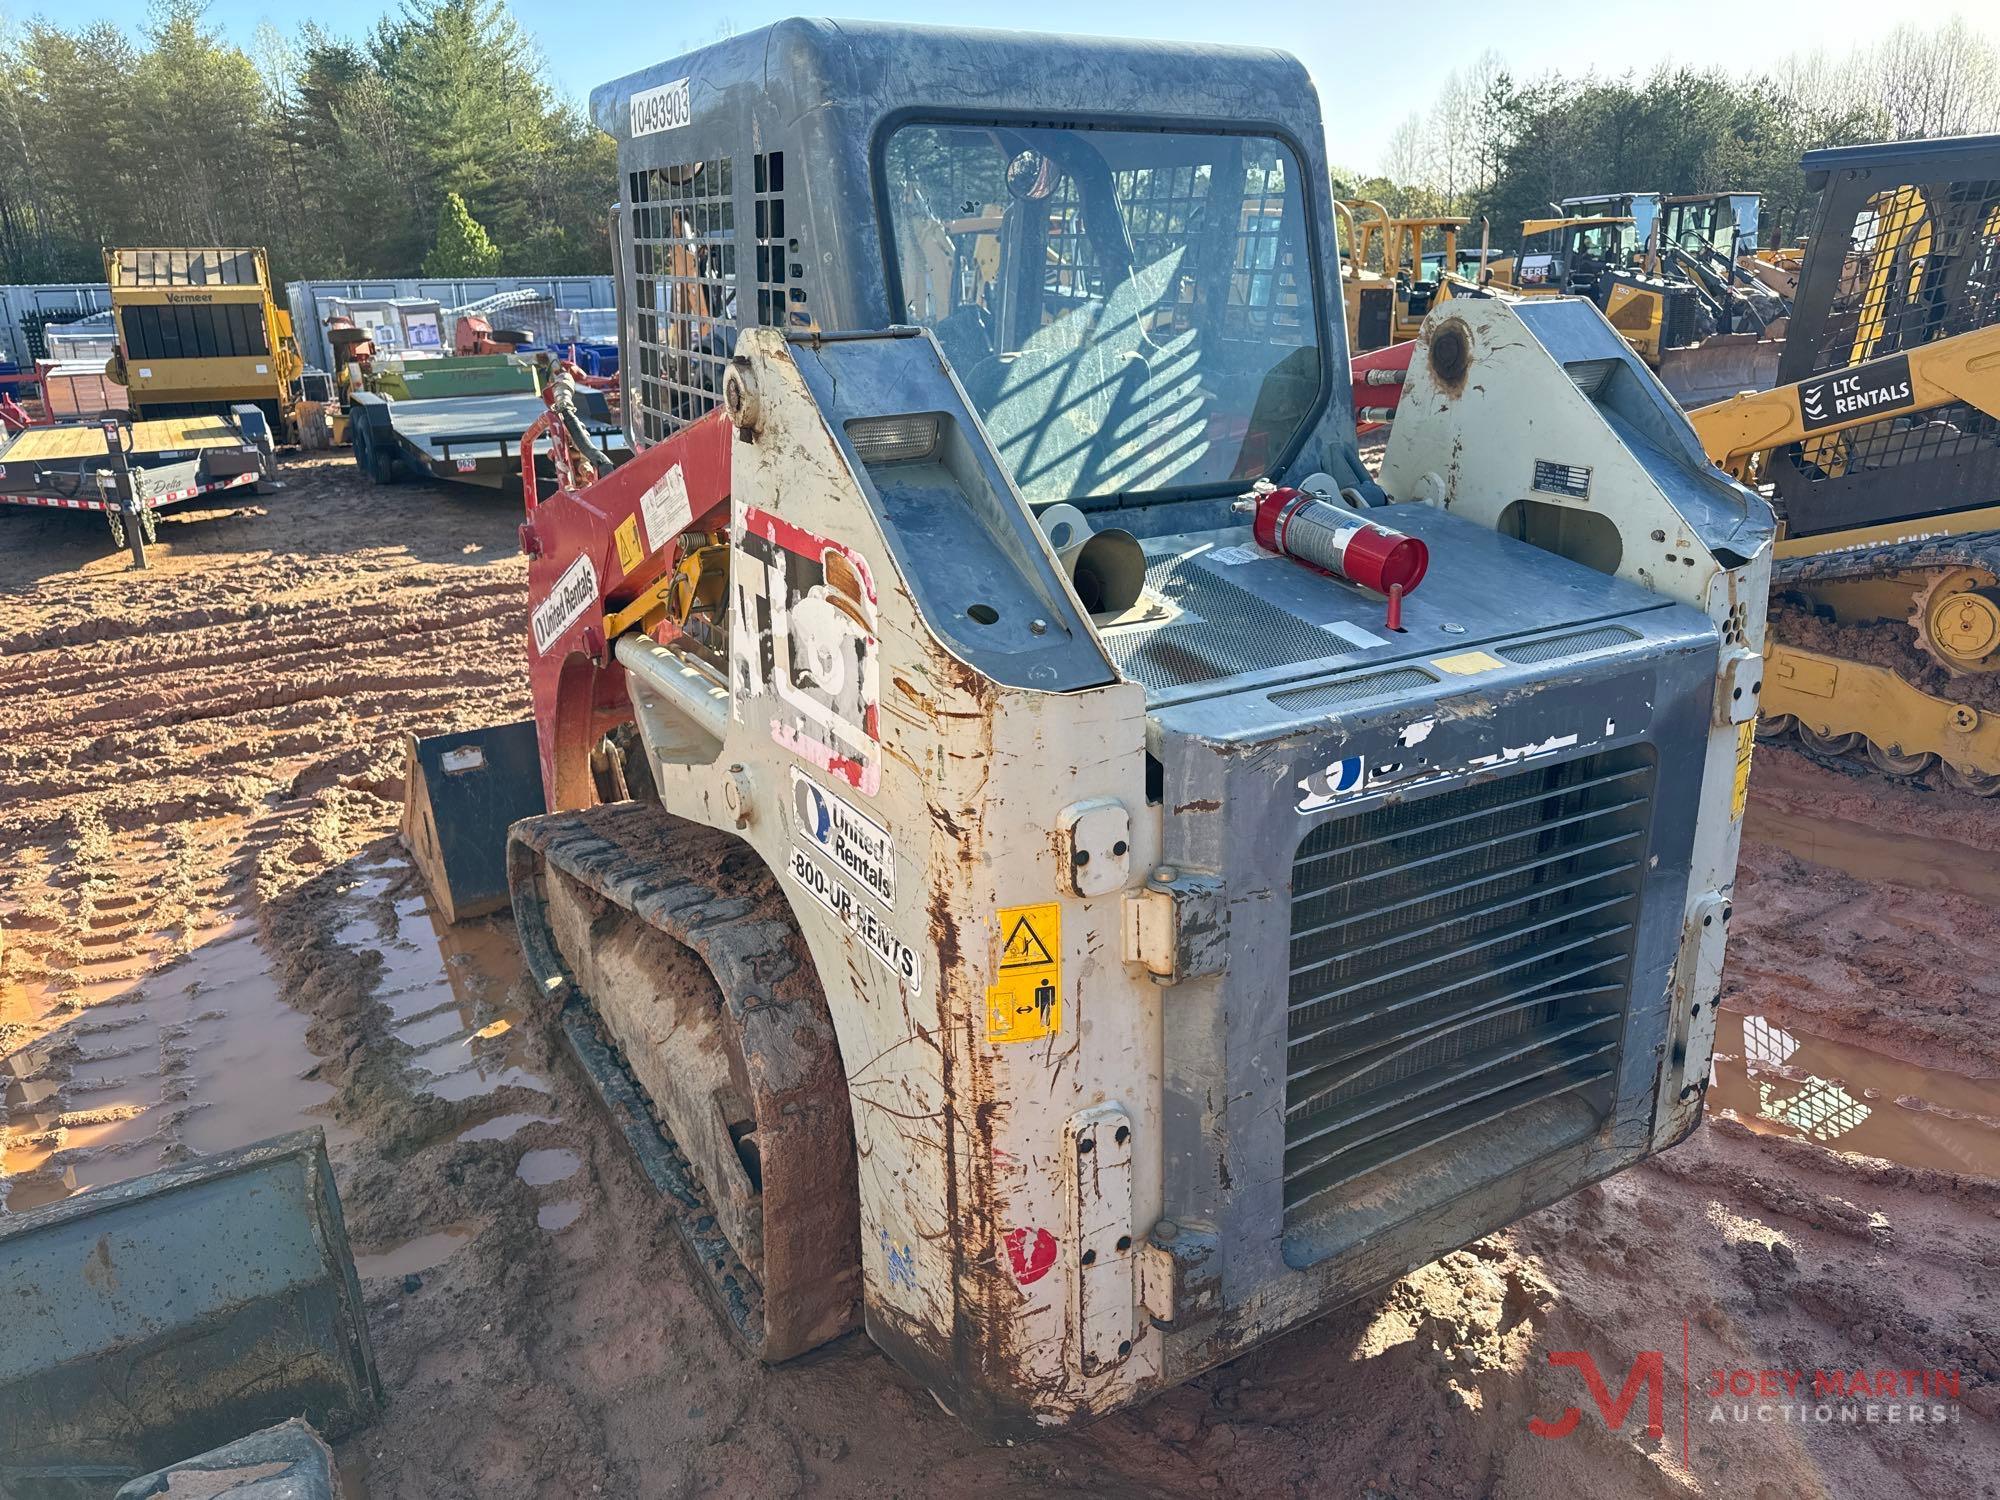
(211, 935)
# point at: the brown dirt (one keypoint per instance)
(1891, 644)
(199, 772)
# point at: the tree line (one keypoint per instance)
(436, 141)
(1495, 146)
(344, 158)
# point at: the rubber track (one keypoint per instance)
(1975, 549)
(710, 891)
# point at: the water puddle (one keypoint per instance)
(474, 1082)
(354, 1473)
(413, 1256)
(503, 1127)
(435, 1027)
(1788, 1082)
(446, 989)
(540, 1168)
(1870, 853)
(245, 1049)
(206, 1054)
(37, 1192)
(201, 1056)
(555, 1217)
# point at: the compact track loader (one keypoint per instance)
(1045, 857)
(1882, 451)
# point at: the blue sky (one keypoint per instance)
(1373, 64)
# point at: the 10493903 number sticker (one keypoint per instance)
(860, 919)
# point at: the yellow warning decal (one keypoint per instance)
(1467, 664)
(1746, 739)
(1025, 1000)
(630, 553)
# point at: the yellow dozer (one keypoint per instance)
(1688, 318)
(1882, 451)
(1390, 278)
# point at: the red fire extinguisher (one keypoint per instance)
(1343, 543)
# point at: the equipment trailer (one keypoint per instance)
(130, 471)
(461, 420)
(1081, 958)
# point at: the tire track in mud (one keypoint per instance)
(176, 747)
(534, 1323)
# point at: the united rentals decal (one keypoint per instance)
(855, 842)
(573, 594)
(664, 108)
(1880, 387)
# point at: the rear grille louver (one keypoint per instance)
(1576, 643)
(1354, 689)
(1457, 958)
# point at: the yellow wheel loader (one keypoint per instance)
(1882, 453)
(1045, 858)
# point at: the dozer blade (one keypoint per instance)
(461, 792)
(161, 1317)
(683, 987)
(1720, 367)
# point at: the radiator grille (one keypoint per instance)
(1459, 957)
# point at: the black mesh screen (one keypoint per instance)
(684, 290)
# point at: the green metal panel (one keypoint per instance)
(468, 375)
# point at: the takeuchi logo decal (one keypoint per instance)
(1836, 1395)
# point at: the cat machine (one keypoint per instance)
(1881, 448)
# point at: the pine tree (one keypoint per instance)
(463, 248)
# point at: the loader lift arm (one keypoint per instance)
(1739, 434)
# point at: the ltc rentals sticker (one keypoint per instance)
(890, 951)
(1025, 1000)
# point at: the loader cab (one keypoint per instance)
(1905, 250)
(1715, 228)
(1142, 301)
(1570, 256)
(1130, 311)
(1641, 210)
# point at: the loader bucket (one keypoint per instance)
(461, 792)
(1720, 367)
(165, 1316)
